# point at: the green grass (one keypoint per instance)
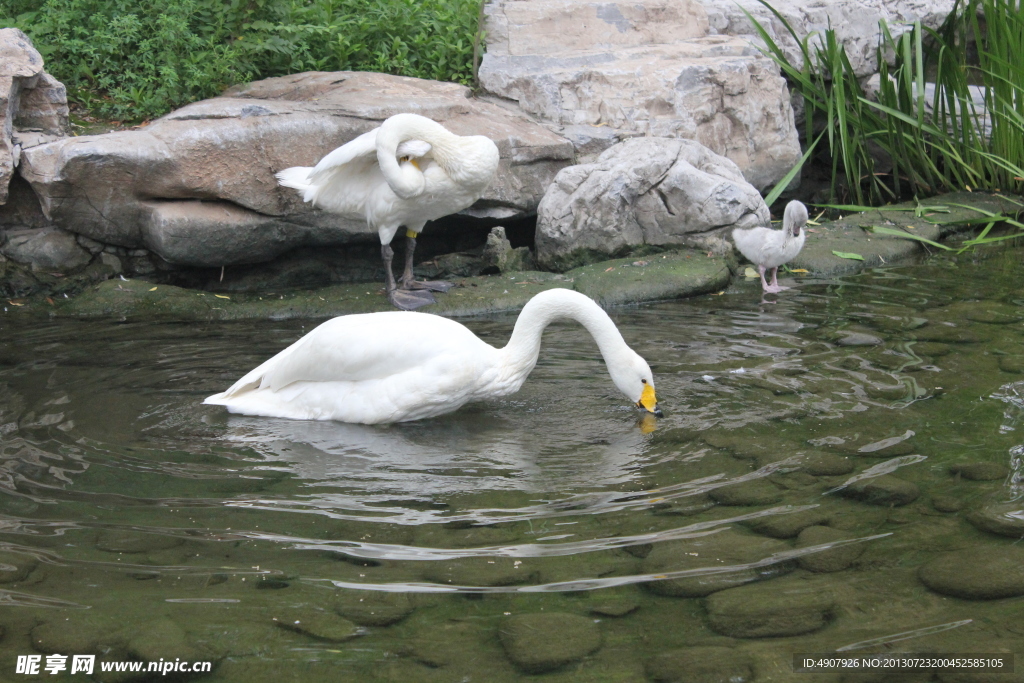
(132, 60)
(922, 152)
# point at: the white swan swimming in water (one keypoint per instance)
(398, 366)
(769, 249)
(408, 171)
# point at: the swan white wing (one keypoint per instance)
(358, 348)
(359, 150)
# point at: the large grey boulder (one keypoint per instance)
(602, 72)
(33, 104)
(197, 186)
(856, 23)
(653, 191)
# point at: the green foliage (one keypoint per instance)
(131, 60)
(935, 140)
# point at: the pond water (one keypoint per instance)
(837, 471)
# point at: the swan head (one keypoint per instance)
(634, 378)
(795, 217)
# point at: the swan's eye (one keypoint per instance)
(643, 381)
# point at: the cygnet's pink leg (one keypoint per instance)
(774, 287)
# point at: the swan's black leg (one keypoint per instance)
(401, 298)
(409, 281)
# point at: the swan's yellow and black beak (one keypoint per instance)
(411, 161)
(649, 402)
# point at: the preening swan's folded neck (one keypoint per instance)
(520, 354)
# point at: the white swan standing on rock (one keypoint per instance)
(408, 171)
(397, 366)
(769, 249)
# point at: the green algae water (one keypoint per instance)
(837, 472)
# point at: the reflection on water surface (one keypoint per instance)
(837, 471)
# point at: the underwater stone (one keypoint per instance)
(1014, 364)
(833, 559)
(63, 636)
(770, 610)
(755, 492)
(1002, 520)
(537, 643)
(788, 525)
(980, 471)
(883, 490)
(318, 624)
(372, 608)
(614, 606)
(948, 335)
(700, 665)
(16, 567)
(933, 349)
(826, 465)
(982, 573)
(713, 552)
(947, 503)
(858, 339)
(479, 571)
(127, 541)
(164, 638)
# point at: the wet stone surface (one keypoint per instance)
(979, 471)
(883, 490)
(979, 573)
(832, 559)
(700, 665)
(771, 609)
(537, 643)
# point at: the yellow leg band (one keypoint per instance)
(410, 234)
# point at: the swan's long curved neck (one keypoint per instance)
(402, 127)
(520, 355)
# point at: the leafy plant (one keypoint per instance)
(130, 60)
(935, 139)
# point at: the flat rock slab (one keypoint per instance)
(984, 573)
(771, 609)
(756, 492)
(846, 234)
(788, 525)
(980, 471)
(197, 186)
(651, 278)
(537, 643)
(666, 276)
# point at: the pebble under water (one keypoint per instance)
(839, 471)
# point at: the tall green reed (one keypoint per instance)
(910, 139)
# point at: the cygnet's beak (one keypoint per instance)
(649, 402)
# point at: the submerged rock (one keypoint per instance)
(707, 556)
(1013, 364)
(754, 492)
(129, 541)
(16, 567)
(826, 464)
(318, 624)
(644, 191)
(979, 471)
(831, 560)
(790, 524)
(701, 665)
(982, 573)
(1004, 520)
(373, 608)
(883, 490)
(947, 503)
(771, 609)
(537, 643)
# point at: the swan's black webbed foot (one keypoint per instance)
(410, 299)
